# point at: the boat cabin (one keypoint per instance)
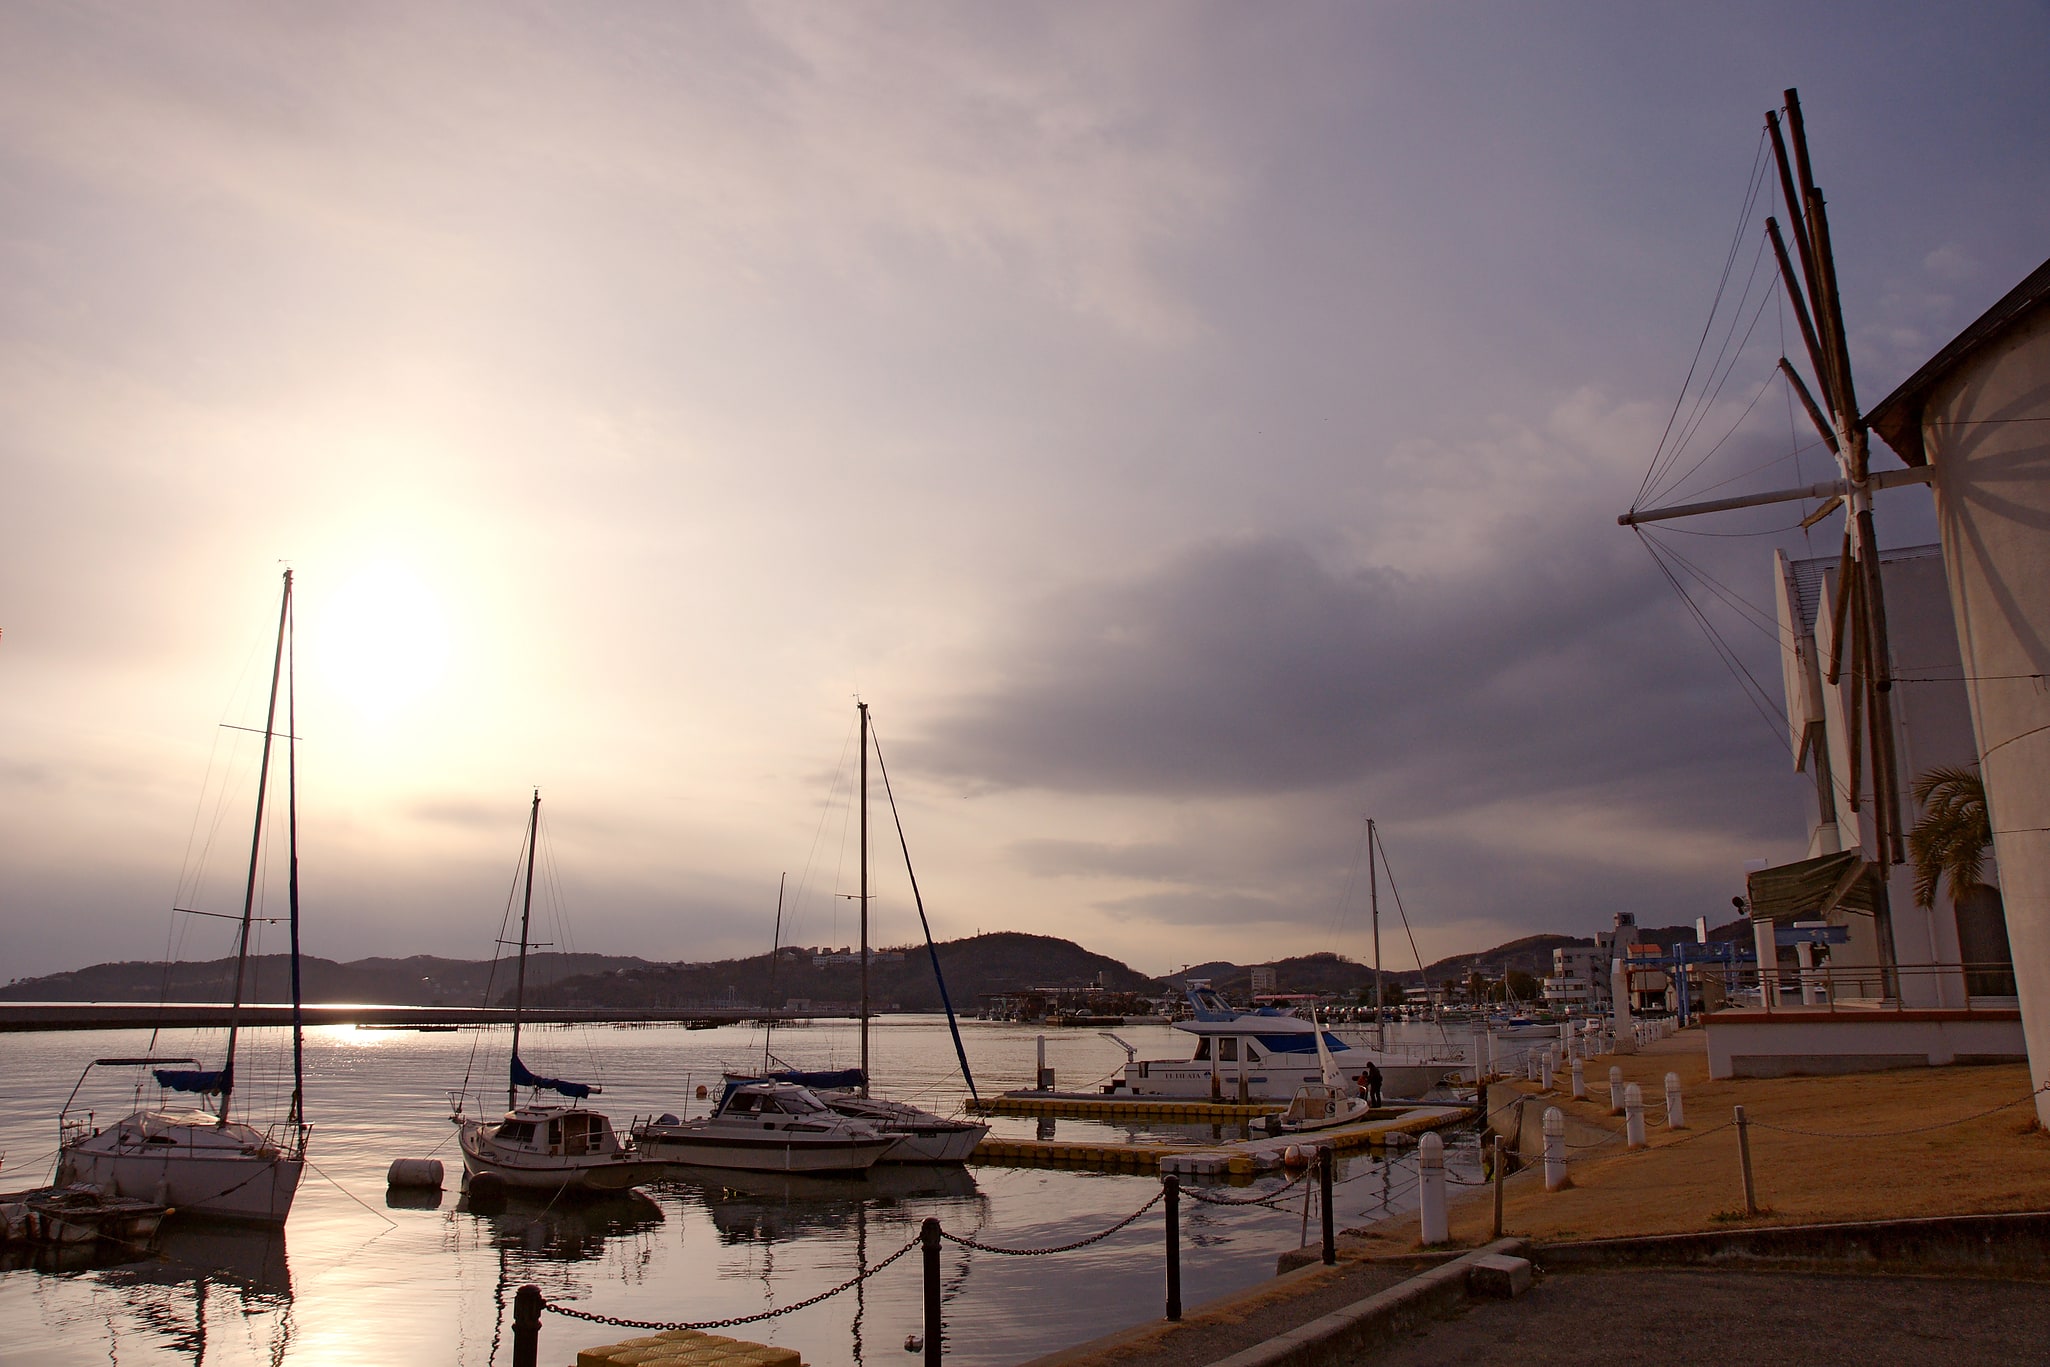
(568, 1133)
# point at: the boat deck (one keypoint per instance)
(1243, 1158)
(1099, 1106)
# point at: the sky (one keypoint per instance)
(1194, 429)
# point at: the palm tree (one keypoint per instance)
(1950, 839)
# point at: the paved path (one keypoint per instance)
(1759, 1319)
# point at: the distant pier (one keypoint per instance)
(20, 1016)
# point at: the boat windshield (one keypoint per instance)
(798, 1103)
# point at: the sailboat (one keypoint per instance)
(201, 1161)
(1326, 1102)
(922, 1135)
(541, 1145)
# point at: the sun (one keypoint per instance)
(383, 640)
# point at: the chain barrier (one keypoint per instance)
(619, 1322)
(981, 1247)
(1895, 1134)
(1258, 1199)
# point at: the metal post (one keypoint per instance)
(929, 1235)
(1744, 1153)
(1324, 1165)
(1174, 1245)
(1498, 1186)
(527, 1326)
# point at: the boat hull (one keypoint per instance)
(766, 1152)
(525, 1171)
(933, 1143)
(225, 1186)
(1171, 1081)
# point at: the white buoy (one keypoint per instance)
(1430, 1157)
(1555, 1149)
(1615, 1090)
(1676, 1114)
(1633, 1116)
(415, 1172)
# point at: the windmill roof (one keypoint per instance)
(1898, 417)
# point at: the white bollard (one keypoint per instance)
(1430, 1159)
(1633, 1113)
(1545, 1070)
(1555, 1149)
(1615, 1090)
(1676, 1114)
(1579, 1080)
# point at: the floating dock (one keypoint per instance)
(687, 1346)
(1216, 1160)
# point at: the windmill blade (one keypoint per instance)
(1822, 424)
(1836, 501)
(1854, 724)
(1800, 303)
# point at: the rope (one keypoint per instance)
(621, 1323)
(1894, 1134)
(981, 1247)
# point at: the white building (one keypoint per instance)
(1579, 978)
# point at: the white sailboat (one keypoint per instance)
(539, 1145)
(195, 1160)
(1326, 1102)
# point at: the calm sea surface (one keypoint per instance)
(357, 1276)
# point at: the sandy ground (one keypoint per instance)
(1877, 1146)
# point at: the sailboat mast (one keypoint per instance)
(297, 1114)
(512, 1091)
(1374, 901)
(270, 721)
(862, 707)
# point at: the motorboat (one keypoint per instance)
(925, 1137)
(1261, 1055)
(763, 1126)
(195, 1160)
(541, 1145)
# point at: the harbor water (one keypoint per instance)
(360, 1274)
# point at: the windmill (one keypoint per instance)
(1858, 644)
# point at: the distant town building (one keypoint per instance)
(1263, 980)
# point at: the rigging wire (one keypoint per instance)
(1715, 305)
(1351, 880)
(1720, 371)
(1671, 486)
(1760, 700)
(1750, 613)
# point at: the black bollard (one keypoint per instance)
(1174, 1245)
(1324, 1156)
(929, 1235)
(527, 1326)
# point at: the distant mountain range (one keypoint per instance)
(899, 978)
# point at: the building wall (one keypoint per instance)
(1986, 427)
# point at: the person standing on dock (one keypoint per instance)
(1370, 1082)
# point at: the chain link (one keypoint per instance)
(1261, 1199)
(980, 1247)
(805, 1304)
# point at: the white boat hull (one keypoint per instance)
(947, 1143)
(1180, 1081)
(766, 1152)
(527, 1171)
(193, 1169)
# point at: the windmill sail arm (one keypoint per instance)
(1828, 488)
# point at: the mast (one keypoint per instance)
(1374, 901)
(775, 953)
(270, 721)
(297, 1113)
(862, 708)
(512, 1091)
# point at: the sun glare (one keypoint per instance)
(383, 640)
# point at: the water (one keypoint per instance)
(357, 1277)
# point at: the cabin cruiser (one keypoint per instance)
(542, 1147)
(1262, 1055)
(923, 1136)
(763, 1126)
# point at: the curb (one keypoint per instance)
(2009, 1244)
(1341, 1336)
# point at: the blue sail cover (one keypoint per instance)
(839, 1078)
(206, 1082)
(521, 1077)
